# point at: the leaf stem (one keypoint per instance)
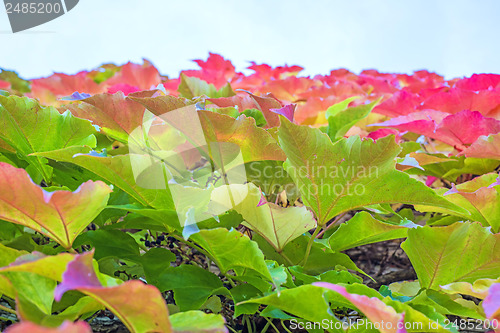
(6, 309)
(331, 225)
(309, 244)
(284, 326)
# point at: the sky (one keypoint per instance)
(453, 38)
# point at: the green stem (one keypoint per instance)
(249, 324)
(284, 326)
(6, 309)
(231, 329)
(309, 245)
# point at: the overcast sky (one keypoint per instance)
(453, 38)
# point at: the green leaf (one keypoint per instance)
(481, 198)
(15, 81)
(448, 304)
(352, 173)
(37, 289)
(191, 87)
(110, 243)
(60, 215)
(232, 250)
(192, 285)
(28, 128)
(339, 122)
(118, 171)
(197, 322)
(276, 224)
(272, 179)
(313, 305)
(363, 229)
(459, 252)
(321, 258)
(155, 262)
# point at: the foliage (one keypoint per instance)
(217, 201)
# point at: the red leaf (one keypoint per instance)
(401, 103)
(4, 85)
(60, 215)
(58, 85)
(479, 82)
(215, 70)
(144, 76)
(456, 100)
(139, 306)
(457, 130)
(116, 114)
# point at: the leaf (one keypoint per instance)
(117, 170)
(203, 128)
(341, 121)
(287, 111)
(111, 243)
(484, 147)
(197, 322)
(313, 305)
(481, 197)
(192, 285)
(140, 307)
(363, 229)
(276, 224)
(144, 76)
(51, 267)
(461, 252)
(116, 114)
(455, 100)
(232, 250)
(321, 258)
(478, 288)
(448, 304)
(191, 87)
(60, 215)
(66, 327)
(28, 128)
(58, 85)
(491, 304)
(336, 178)
(372, 307)
(16, 83)
(446, 128)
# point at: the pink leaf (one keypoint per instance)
(287, 111)
(450, 129)
(140, 307)
(373, 308)
(124, 88)
(491, 304)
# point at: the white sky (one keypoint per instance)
(453, 38)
